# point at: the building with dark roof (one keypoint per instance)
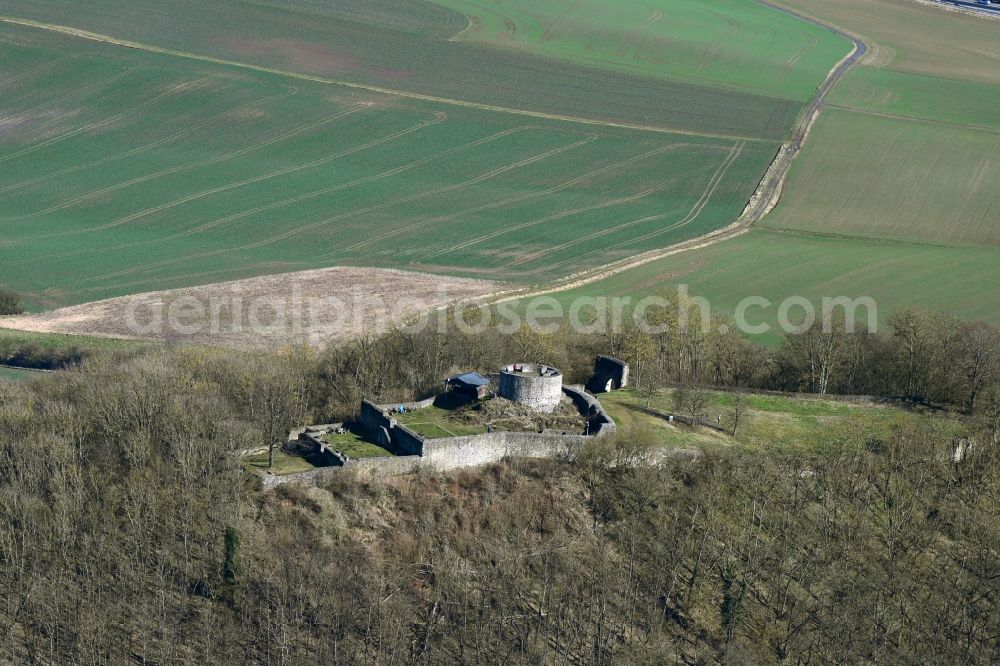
(471, 384)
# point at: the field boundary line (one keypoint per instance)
(762, 202)
(149, 48)
(877, 240)
(916, 119)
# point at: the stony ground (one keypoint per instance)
(310, 307)
(505, 415)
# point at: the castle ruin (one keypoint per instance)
(533, 385)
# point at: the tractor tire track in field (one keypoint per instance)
(107, 39)
(763, 201)
(585, 209)
(549, 250)
(253, 211)
(24, 115)
(361, 211)
(343, 186)
(423, 195)
(438, 118)
(186, 167)
(34, 70)
(656, 16)
(547, 35)
(576, 180)
(83, 129)
(699, 205)
(52, 102)
(149, 146)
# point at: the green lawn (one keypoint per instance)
(735, 44)
(170, 173)
(434, 423)
(355, 445)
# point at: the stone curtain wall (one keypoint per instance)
(475, 450)
(448, 454)
(601, 424)
(372, 466)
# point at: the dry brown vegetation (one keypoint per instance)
(368, 294)
(129, 532)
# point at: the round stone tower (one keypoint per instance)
(536, 386)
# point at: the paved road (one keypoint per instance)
(993, 10)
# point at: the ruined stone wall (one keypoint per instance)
(601, 424)
(388, 432)
(373, 417)
(475, 450)
(539, 391)
(609, 374)
(409, 406)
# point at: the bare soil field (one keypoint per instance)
(315, 307)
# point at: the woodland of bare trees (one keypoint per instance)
(129, 532)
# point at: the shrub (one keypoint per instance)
(10, 303)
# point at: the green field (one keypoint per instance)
(732, 43)
(918, 96)
(404, 45)
(778, 265)
(917, 160)
(910, 37)
(864, 175)
(769, 421)
(895, 198)
(125, 172)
